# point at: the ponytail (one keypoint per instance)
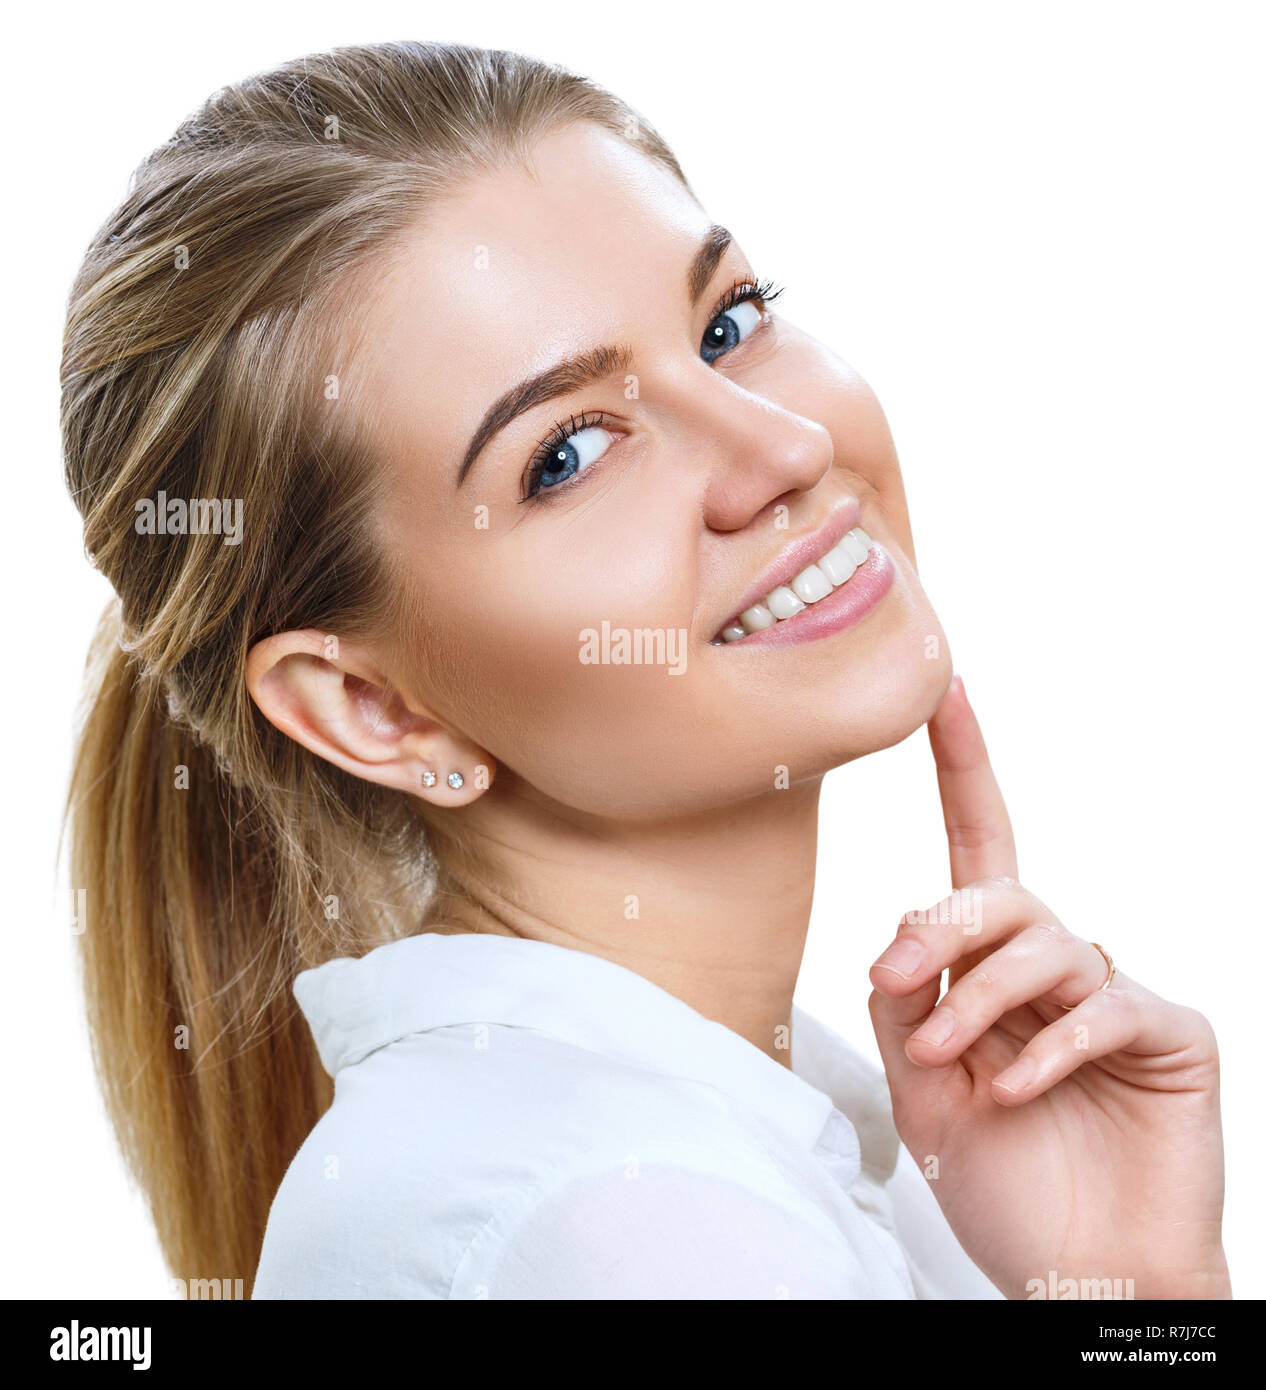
(210, 1074)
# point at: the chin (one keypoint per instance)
(894, 693)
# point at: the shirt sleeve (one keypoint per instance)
(662, 1231)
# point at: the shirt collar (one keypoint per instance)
(355, 1006)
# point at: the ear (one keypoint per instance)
(329, 695)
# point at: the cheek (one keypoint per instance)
(518, 619)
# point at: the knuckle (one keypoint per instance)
(980, 981)
(1124, 1003)
(1201, 1028)
(972, 837)
(997, 884)
(1002, 897)
(1046, 935)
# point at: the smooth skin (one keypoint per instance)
(669, 823)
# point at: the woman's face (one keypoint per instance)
(705, 453)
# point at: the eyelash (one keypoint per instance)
(740, 292)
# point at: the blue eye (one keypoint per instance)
(736, 316)
(569, 451)
(729, 328)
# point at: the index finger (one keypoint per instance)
(981, 844)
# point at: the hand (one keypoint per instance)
(1085, 1142)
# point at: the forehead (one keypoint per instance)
(518, 267)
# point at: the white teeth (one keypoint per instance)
(782, 603)
(757, 617)
(853, 548)
(814, 583)
(836, 565)
(811, 585)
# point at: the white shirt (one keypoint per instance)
(513, 1119)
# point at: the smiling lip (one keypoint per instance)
(800, 554)
(847, 605)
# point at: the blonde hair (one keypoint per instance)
(219, 857)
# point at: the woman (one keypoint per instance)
(498, 578)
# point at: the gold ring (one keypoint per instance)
(1112, 974)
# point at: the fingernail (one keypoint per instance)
(1016, 1078)
(902, 958)
(938, 1025)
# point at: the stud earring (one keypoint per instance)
(428, 778)
(455, 780)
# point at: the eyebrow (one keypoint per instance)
(584, 368)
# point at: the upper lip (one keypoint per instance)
(801, 553)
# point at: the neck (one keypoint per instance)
(714, 908)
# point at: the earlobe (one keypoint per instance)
(467, 775)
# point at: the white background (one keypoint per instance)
(1037, 230)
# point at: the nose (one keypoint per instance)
(757, 451)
